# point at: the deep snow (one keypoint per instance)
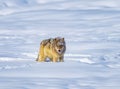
(92, 33)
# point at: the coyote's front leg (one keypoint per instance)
(55, 59)
(61, 59)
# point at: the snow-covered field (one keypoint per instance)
(92, 33)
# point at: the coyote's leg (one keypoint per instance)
(40, 59)
(54, 59)
(61, 59)
(41, 56)
(37, 58)
(51, 59)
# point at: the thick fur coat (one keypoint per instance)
(53, 49)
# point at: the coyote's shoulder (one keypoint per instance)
(53, 48)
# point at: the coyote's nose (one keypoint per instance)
(59, 50)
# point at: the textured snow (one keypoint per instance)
(92, 34)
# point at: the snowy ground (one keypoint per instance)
(92, 33)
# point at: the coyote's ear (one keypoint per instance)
(63, 38)
(51, 40)
(56, 39)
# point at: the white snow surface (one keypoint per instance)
(92, 33)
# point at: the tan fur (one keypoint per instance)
(53, 49)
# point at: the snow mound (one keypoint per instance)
(6, 11)
(112, 60)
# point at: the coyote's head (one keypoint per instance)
(60, 45)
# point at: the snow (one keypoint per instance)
(92, 33)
